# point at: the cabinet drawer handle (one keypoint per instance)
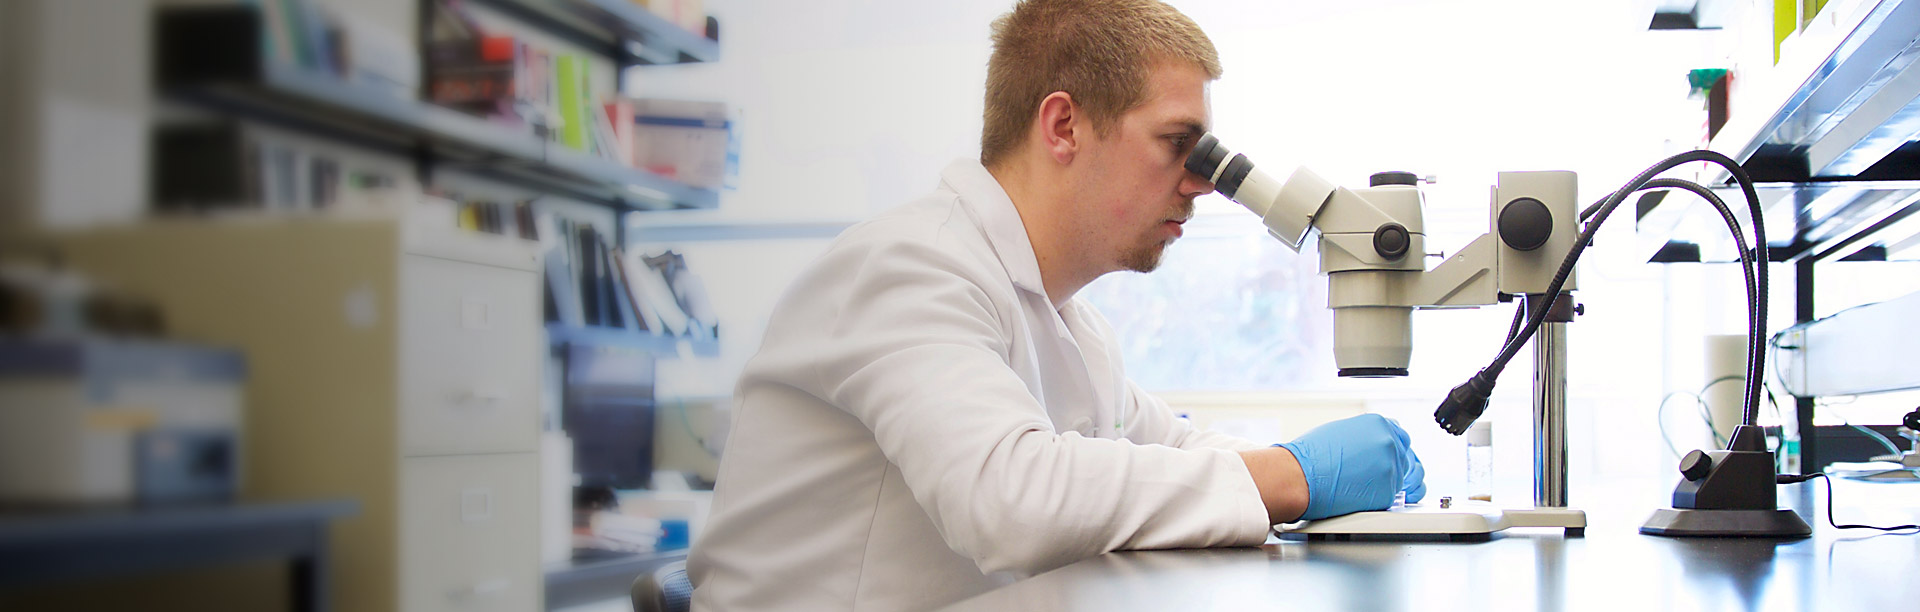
(484, 588)
(479, 398)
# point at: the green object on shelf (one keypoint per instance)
(569, 73)
(1786, 21)
(1701, 80)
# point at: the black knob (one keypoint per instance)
(1392, 178)
(1695, 465)
(1525, 224)
(1912, 420)
(1391, 241)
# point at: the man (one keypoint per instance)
(933, 413)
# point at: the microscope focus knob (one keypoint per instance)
(1391, 241)
(1525, 224)
(1695, 465)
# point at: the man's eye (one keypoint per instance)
(1180, 142)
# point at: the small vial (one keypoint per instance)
(1480, 461)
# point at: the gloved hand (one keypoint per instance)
(1357, 464)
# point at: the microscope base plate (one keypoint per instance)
(1461, 521)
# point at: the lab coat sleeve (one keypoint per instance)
(1153, 422)
(915, 347)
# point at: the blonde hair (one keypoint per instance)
(1098, 51)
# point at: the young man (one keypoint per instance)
(933, 413)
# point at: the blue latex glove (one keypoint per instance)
(1357, 464)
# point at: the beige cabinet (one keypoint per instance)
(396, 366)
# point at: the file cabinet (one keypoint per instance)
(394, 363)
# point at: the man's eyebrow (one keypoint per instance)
(1193, 127)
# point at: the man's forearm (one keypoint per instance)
(1283, 487)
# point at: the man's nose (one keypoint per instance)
(1193, 185)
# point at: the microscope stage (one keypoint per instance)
(1462, 521)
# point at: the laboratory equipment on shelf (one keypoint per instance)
(1372, 250)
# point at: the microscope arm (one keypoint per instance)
(1469, 278)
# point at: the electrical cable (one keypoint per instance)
(1699, 401)
(1878, 437)
(1706, 412)
(1519, 316)
(1847, 421)
(1795, 478)
(1466, 401)
(1660, 419)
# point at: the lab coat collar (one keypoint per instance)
(980, 191)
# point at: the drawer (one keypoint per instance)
(471, 344)
(469, 533)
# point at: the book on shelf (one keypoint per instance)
(619, 114)
(609, 296)
(587, 281)
(593, 283)
(688, 292)
(569, 76)
(605, 139)
(563, 297)
(629, 282)
(475, 75)
(653, 288)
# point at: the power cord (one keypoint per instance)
(1519, 318)
(1700, 403)
(1797, 478)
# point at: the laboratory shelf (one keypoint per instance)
(724, 230)
(637, 35)
(1829, 133)
(209, 56)
(662, 346)
(1831, 136)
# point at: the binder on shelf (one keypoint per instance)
(564, 298)
(619, 114)
(570, 76)
(622, 296)
(603, 269)
(589, 282)
(562, 275)
(653, 288)
(688, 291)
(630, 281)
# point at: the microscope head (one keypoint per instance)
(1371, 245)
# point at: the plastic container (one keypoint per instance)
(1480, 461)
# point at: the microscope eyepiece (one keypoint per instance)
(1206, 156)
(1205, 161)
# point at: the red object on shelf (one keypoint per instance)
(496, 48)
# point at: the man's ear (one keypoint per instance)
(1059, 115)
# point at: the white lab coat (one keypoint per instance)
(921, 425)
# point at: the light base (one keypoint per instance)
(1685, 522)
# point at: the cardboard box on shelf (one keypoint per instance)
(688, 14)
(684, 140)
